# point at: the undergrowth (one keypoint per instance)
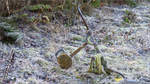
(9, 34)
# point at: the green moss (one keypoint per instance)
(39, 7)
(77, 38)
(96, 3)
(22, 18)
(126, 20)
(68, 4)
(131, 3)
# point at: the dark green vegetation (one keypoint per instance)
(39, 8)
(131, 3)
(8, 33)
(129, 17)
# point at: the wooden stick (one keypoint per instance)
(82, 18)
(77, 50)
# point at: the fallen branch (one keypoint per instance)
(10, 64)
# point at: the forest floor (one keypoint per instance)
(126, 48)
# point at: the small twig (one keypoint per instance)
(82, 18)
(10, 63)
(108, 70)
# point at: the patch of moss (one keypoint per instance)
(39, 8)
(68, 4)
(127, 20)
(131, 3)
(21, 18)
(77, 38)
(96, 3)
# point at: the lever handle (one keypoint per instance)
(77, 50)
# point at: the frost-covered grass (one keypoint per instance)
(126, 48)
